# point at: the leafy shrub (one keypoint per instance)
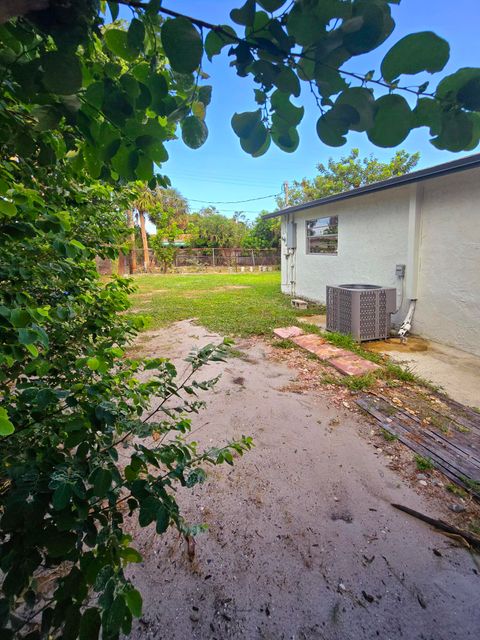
(69, 397)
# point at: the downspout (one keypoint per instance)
(413, 256)
(286, 252)
(293, 267)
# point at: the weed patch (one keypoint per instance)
(389, 437)
(424, 464)
(458, 491)
(283, 344)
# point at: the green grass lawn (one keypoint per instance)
(241, 304)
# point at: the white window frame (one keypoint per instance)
(326, 220)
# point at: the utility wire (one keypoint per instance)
(274, 195)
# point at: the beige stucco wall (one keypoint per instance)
(448, 307)
(373, 238)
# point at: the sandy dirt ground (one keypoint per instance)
(303, 542)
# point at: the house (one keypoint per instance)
(419, 233)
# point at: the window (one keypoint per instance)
(322, 235)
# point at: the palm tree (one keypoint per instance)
(133, 252)
(144, 202)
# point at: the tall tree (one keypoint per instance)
(171, 218)
(145, 204)
(132, 248)
(169, 207)
(350, 172)
(263, 234)
(212, 229)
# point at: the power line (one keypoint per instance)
(273, 195)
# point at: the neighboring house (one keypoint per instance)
(428, 221)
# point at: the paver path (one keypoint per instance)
(348, 363)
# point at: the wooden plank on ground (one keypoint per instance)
(454, 453)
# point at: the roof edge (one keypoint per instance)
(438, 170)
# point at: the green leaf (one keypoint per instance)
(162, 519)
(182, 44)
(416, 52)
(131, 555)
(72, 623)
(363, 102)
(32, 349)
(216, 40)
(136, 35)
(148, 510)
(271, 5)
(20, 318)
(198, 109)
(158, 88)
(304, 25)
(333, 125)
(102, 482)
(114, 617)
(118, 42)
(90, 624)
(428, 113)
(134, 602)
(291, 114)
(125, 161)
(113, 6)
(245, 15)
(456, 131)
(59, 543)
(287, 81)
(62, 73)
(196, 476)
(287, 140)
(61, 496)
(144, 170)
(392, 122)
(370, 24)
(7, 208)
(244, 123)
(256, 140)
(462, 87)
(6, 427)
(28, 336)
(205, 94)
(194, 132)
(93, 363)
(47, 117)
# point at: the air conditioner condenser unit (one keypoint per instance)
(361, 310)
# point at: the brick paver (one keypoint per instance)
(288, 332)
(346, 362)
(353, 365)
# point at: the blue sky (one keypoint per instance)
(221, 171)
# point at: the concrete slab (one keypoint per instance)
(352, 365)
(455, 371)
(288, 332)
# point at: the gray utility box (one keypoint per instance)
(361, 310)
